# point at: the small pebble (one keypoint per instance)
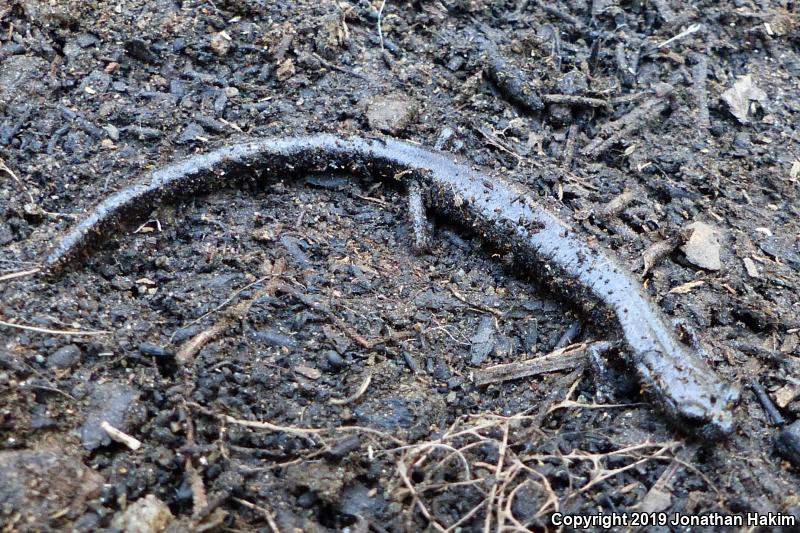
(752, 269)
(307, 371)
(65, 357)
(145, 515)
(334, 360)
(153, 350)
(285, 70)
(788, 443)
(192, 132)
(391, 113)
(221, 43)
(307, 499)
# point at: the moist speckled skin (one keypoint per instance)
(689, 392)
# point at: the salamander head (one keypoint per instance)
(691, 394)
(709, 417)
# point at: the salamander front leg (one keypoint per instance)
(690, 333)
(610, 380)
(419, 220)
(602, 374)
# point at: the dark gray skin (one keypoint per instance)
(678, 380)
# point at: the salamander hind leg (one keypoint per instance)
(608, 372)
(419, 220)
(687, 331)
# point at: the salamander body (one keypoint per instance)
(678, 380)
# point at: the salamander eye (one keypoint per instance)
(694, 417)
(692, 422)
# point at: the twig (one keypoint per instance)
(570, 335)
(402, 470)
(501, 456)
(227, 300)
(334, 66)
(560, 13)
(419, 221)
(231, 315)
(356, 395)
(574, 99)
(330, 315)
(120, 436)
(495, 141)
(382, 203)
(51, 331)
(292, 430)
(10, 172)
(50, 388)
(765, 401)
(380, 19)
(273, 526)
(688, 31)
(561, 359)
(19, 274)
(568, 155)
(565, 404)
(611, 473)
(199, 498)
(687, 287)
(512, 82)
(617, 204)
(624, 126)
(657, 251)
(660, 488)
(477, 307)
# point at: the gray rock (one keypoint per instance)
(36, 485)
(191, 133)
(573, 82)
(788, 443)
(483, 341)
(63, 13)
(386, 414)
(293, 246)
(270, 337)
(21, 77)
(782, 249)
(109, 402)
(391, 113)
(221, 44)
(153, 350)
(702, 249)
(65, 357)
(5, 234)
(145, 515)
(740, 97)
(97, 81)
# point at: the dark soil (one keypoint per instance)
(93, 94)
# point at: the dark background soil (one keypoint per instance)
(93, 94)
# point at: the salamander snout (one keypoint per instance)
(711, 416)
(693, 396)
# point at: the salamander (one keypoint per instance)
(677, 379)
